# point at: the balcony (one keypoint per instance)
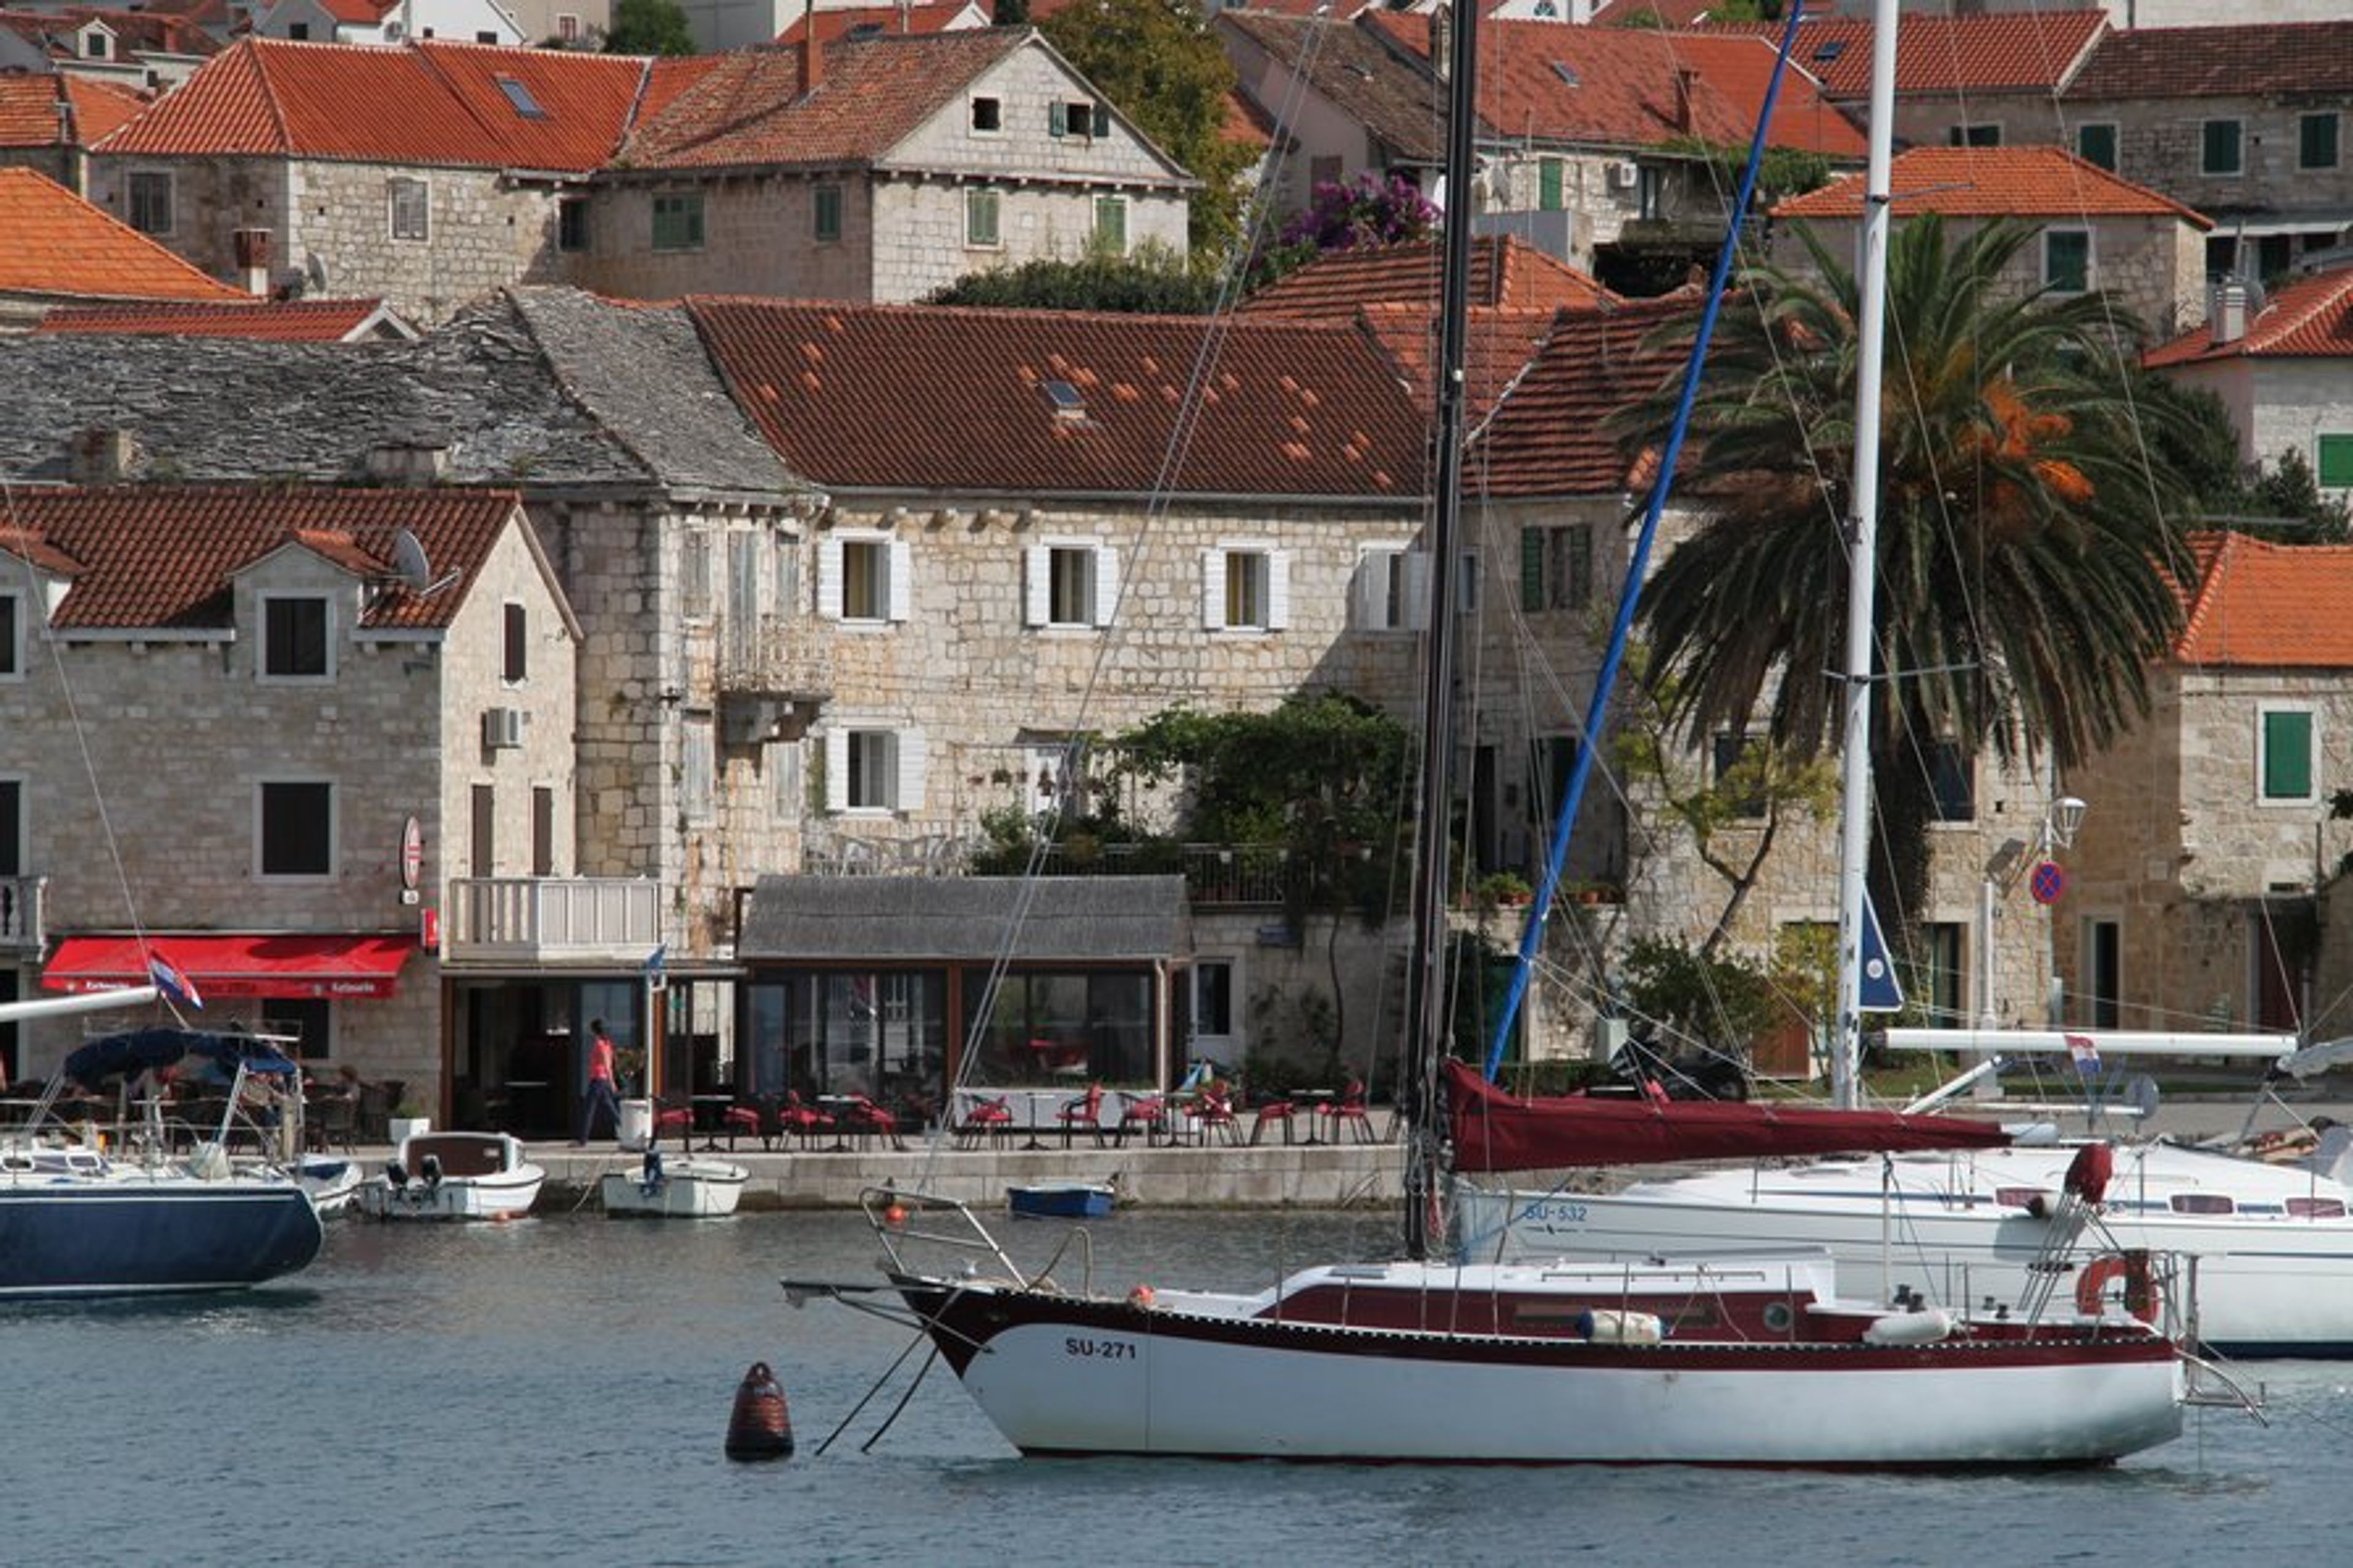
(20, 913)
(556, 919)
(790, 657)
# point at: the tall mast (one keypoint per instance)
(1427, 1017)
(1863, 548)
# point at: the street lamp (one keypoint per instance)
(2063, 821)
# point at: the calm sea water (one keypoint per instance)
(560, 1390)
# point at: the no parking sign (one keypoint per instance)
(2048, 882)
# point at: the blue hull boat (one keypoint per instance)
(117, 1231)
(1062, 1200)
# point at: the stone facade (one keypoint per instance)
(2278, 403)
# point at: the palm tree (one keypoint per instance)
(2026, 529)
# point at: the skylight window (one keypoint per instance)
(520, 96)
(1566, 72)
(1068, 402)
(1831, 49)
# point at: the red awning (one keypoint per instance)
(238, 963)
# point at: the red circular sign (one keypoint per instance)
(2049, 881)
(412, 853)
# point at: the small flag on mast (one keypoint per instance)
(175, 986)
(2086, 1051)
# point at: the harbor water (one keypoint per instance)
(559, 1390)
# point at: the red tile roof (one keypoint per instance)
(277, 321)
(1504, 271)
(2311, 318)
(1497, 346)
(1550, 437)
(2010, 51)
(2243, 59)
(1624, 93)
(426, 103)
(2276, 606)
(747, 109)
(56, 110)
(60, 245)
(135, 31)
(164, 555)
(1392, 96)
(1994, 182)
(940, 399)
(919, 17)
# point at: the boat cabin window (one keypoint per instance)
(2201, 1203)
(2316, 1208)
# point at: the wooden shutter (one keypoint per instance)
(1036, 584)
(837, 770)
(903, 579)
(1106, 584)
(911, 757)
(829, 577)
(1278, 589)
(1213, 590)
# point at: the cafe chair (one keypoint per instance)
(332, 1118)
(1274, 1108)
(984, 1123)
(750, 1117)
(1147, 1113)
(806, 1120)
(869, 1120)
(1351, 1111)
(674, 1114)
(1084, 1112)
(1215, 1114)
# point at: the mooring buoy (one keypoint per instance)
(761, 1427)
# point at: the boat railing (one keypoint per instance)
(910, 1223)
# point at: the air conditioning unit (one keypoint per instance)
(502, 728)
(1622, 176)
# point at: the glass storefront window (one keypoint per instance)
(1063, 1028)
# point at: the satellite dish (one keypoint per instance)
(411, 566)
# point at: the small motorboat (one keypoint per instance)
(682, 1187)
(1062, 1200)
(454, 1176)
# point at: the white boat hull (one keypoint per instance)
(2269, 1281)
(688, 1188)
(455, 1176)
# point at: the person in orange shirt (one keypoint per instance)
(602, 1096)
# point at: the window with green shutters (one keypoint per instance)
(1111, 225)
(2315, 141)
(677, 221)
(2097, 145)
(828, 213)
(2220, 144)
(2336, 462)
(980, 211)
(2287, 755)
(2067, 259)
(1550, 197)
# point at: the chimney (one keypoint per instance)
(1685, 80)
(1441, 36)
(252, 245)
(103, 456)
(407, 462)
(812, 57)
(2226, 323)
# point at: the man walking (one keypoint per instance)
(601, 1094)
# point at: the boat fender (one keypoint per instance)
(2088, 1172)
(761, 1427)
(396, 1174)
(208, 1163)
(649, 1180)
(1605, 1326)
(2140, 1284)
(428, 1170)
(1922, 1327)
(1142, 1297)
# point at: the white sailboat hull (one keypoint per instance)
(688, 1188)
(2274, 1274)
(455, 1176)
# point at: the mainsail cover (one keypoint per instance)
(1496, 1131)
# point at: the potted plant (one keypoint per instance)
(408, 1120)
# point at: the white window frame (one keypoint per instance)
(261, 788)
(1218, 560)
(977, 200)
(151, 181)
(261, 671)
(2311, 713)
(1097, 565)
(985, 107)
(898, 583)
(897, 767)
(420, 196)
(1390, 589)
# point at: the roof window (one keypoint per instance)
(1566, 72)
(520, 96)
(1068, 402)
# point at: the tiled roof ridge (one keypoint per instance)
(269, 92)
(2210, 551)
(2291, 308)
(1834, 198)
(1228, 320)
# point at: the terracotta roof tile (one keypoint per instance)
(60, 245)
(427, 103)
(1497, 346)
(164, 556)
(2243, 59)
(2312, 317)
(1995, 181)
(1550, 436)
(2008, 51)
(2275, 607)
(275, 320)
(1504, 271)
(52, 110)
(135, 31)
(870, 20)
(929, 397)
(1392, 98)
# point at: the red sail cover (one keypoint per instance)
(1494, 1132)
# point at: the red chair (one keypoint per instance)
(674, 1114)
(1144, 1113)
(748, 1119)
(1215, 1115)
(987, 1121)
(1351, 1110)
(1266, 1110)
(804, 1120)
(867, 1118)
(1084, 1112)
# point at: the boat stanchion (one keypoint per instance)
(761, 1427)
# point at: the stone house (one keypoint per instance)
(130, 48)
(2283, 366)
(285, 697)
(2098, 231)
(390, 21)
(62, 251)
(876, 169)
(49, 119)
(281, 320)
(2210, 840)
(721, 25)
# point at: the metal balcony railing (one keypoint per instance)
(20, 913)
(552, 918)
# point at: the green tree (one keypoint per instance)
(648, 28)
(2281, 501)
(1161, 64)
(1152, 281)
(2026, 530)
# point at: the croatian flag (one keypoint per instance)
(2085, 1052)
(174, 985)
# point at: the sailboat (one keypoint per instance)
(1698, 1360)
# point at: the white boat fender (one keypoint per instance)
(1923, 1326)
(1606, 1326)
(396, 1175)
(208, 1161)
(428, 1170)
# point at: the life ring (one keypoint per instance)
(2141, 1297)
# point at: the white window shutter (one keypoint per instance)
(1106, 584)
(829, 577)
(910, 772)
(1213, 590)
(1368, 594)
(903, 579)
(1278, 589)
(1037, 583)
(1417, 591)
(837, 770)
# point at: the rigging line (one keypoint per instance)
(1637, 563)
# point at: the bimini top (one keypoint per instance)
(1496, 1131)
(137, 1050)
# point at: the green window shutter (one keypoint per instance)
(2097, 145)
(1548, 184)
(2220, 147)
(1058, 120)
(1532, 555)
(2287, 756)
(2067, 259)
(2335, 464)
(2315, 141)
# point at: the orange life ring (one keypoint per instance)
(2141, 1297)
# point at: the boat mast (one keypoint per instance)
(1427, 1018)
(1863, 545)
